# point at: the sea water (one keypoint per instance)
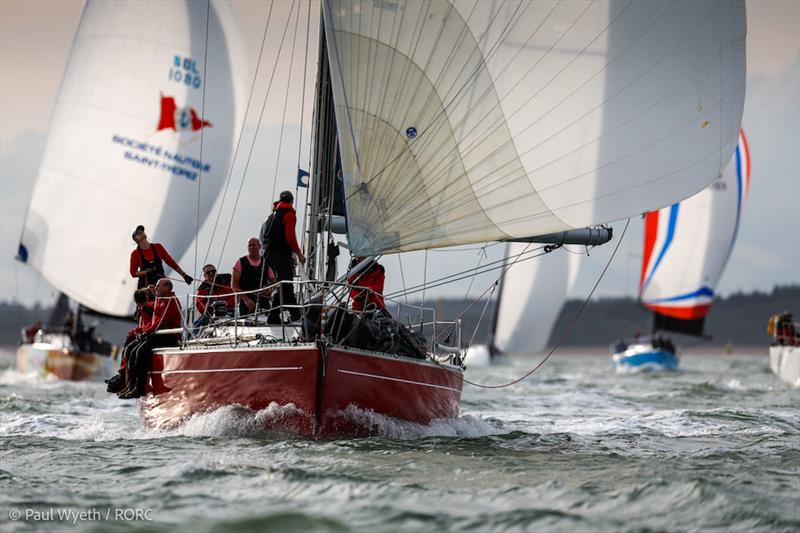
(715, 446)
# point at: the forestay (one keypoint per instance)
(687, 245)
(531, 297)
(124, 146)
(468, 121)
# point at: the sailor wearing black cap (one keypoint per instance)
(279, 241)
(147, 260)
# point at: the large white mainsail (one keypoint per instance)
(145, 83)
(687, 245)
(466, 121)
(530, 299)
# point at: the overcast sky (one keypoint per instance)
(35, 38)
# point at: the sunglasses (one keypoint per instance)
(209, 272)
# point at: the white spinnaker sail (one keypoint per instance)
(124, 146)
(468, 120)
(531, 297)
(687, 245)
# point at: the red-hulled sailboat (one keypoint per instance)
(446, 123)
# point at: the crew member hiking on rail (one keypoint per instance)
(143, 314)
(279, 241)
(250, 273)
(147, 261)
(166, 315)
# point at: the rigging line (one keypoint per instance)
(402, 277)
(485, 246)
(202, 135)
(255, 136)
(481, 255)
(483, 312)
(434, 285)
(563, 336)
(505, 268)
(303, 109)
(503, 260)
(306, 204)
(424, 277)
(241, 134)
(285, 105)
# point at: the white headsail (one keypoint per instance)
(531, 297)
(466, 120)
(687, 245)
(138, 110)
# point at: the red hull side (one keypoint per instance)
(415, 391)
(190, 382)
(196, 381)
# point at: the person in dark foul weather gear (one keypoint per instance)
(279, 241)
(147, 261)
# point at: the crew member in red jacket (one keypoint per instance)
(147, 261)
(371, 278)
(212, 290)
(166, 315)
(143, 315)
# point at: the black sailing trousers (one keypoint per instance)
(282, 266)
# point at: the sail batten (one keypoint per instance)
(141, 126)
(465, 121)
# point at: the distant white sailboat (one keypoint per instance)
(530, 298)
(784, 352)
(142, 132)
(686, 248)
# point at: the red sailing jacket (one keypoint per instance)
(289, 223)
(371, 279)
(136, 259)
(166, 315)
(218, 290)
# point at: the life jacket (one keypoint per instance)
(273, 237)
(156, 264)
(253, 277)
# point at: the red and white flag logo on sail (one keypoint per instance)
(179, 118)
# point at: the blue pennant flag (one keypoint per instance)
(302, 178)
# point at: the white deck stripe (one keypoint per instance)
(210, 370)
(397, 379)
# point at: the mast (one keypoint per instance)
(323, 139)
